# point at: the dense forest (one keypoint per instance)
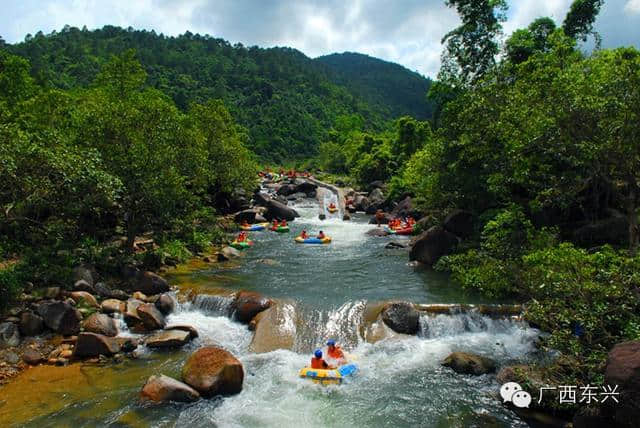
(382, 83)
(534, 136)
(286, 100)
(537, 139)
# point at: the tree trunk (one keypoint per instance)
(131, 234)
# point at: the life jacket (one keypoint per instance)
(336, 354)
(318, 363)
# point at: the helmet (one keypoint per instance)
(331, 342)
(318, 353)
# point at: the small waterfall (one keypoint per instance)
(341, 324)
(212, 304)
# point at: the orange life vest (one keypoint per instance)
(336, 354)
(318, 363)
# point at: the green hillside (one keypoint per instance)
(287, 101)
(381, 83)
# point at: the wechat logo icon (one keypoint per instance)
(512, 392)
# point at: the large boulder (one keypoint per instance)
(83, 298)
(60, 317)
(9, 335)
(30, 324)
(376, 200)
(151, 317)
(307, 188)
(404, 208)
(228, 253)
(213, 371)
(248, 304)
(164, 388)
(378, 231)
(360, 203)
(280, 211)
(274, 328)
(173, 338)
(102, 289)
(465, 363)
(82, 285)
(91, 345)
(623, 370)
(165, 303)
(149, 283)
(100, 324)
(429, 246)
(131, 317)
(247, 215)
(286, 190)
(401, 317)
(261, 199)
(110, 306)
(193, 333)
(459, 222)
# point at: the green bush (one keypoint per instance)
(11, 281)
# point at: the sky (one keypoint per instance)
(404, 31)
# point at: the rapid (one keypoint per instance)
(323, 292)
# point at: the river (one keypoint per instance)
(327, 288)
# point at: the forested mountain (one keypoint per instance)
(382, 83)
(287, 101)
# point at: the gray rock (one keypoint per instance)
(165, 304)
(9, 335)
(228, 253)
(101, 324)
(60, 317)
(465, 363)
(83, 285)
(32, 356)
(429, 246)
(92, 345)
(173, 338)
(31, 324)
(163, 389)
(149, 283)
(401, 317)
(151, 317)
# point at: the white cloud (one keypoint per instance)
(407, 32)
(632, 6)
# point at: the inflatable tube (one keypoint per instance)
(332, 210)
(405, 231)
(255, 227)
(281, 229)
(241, 245)
(326, 240)
(329, 376)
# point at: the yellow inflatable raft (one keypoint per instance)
(328, 376)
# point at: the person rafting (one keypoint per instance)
(317, 362)
(411, 221)
(335, 352)
(283, 223)
(245, 223)
(304, 235)
(332, 206)
(321, 235)
(242, 236)
(275, 224)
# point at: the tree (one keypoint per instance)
(471, 48)
(578, 23)
(525, 42)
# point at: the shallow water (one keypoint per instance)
(400, 382)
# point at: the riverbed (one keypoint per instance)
(400, 381)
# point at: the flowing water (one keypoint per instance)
(325, 291)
